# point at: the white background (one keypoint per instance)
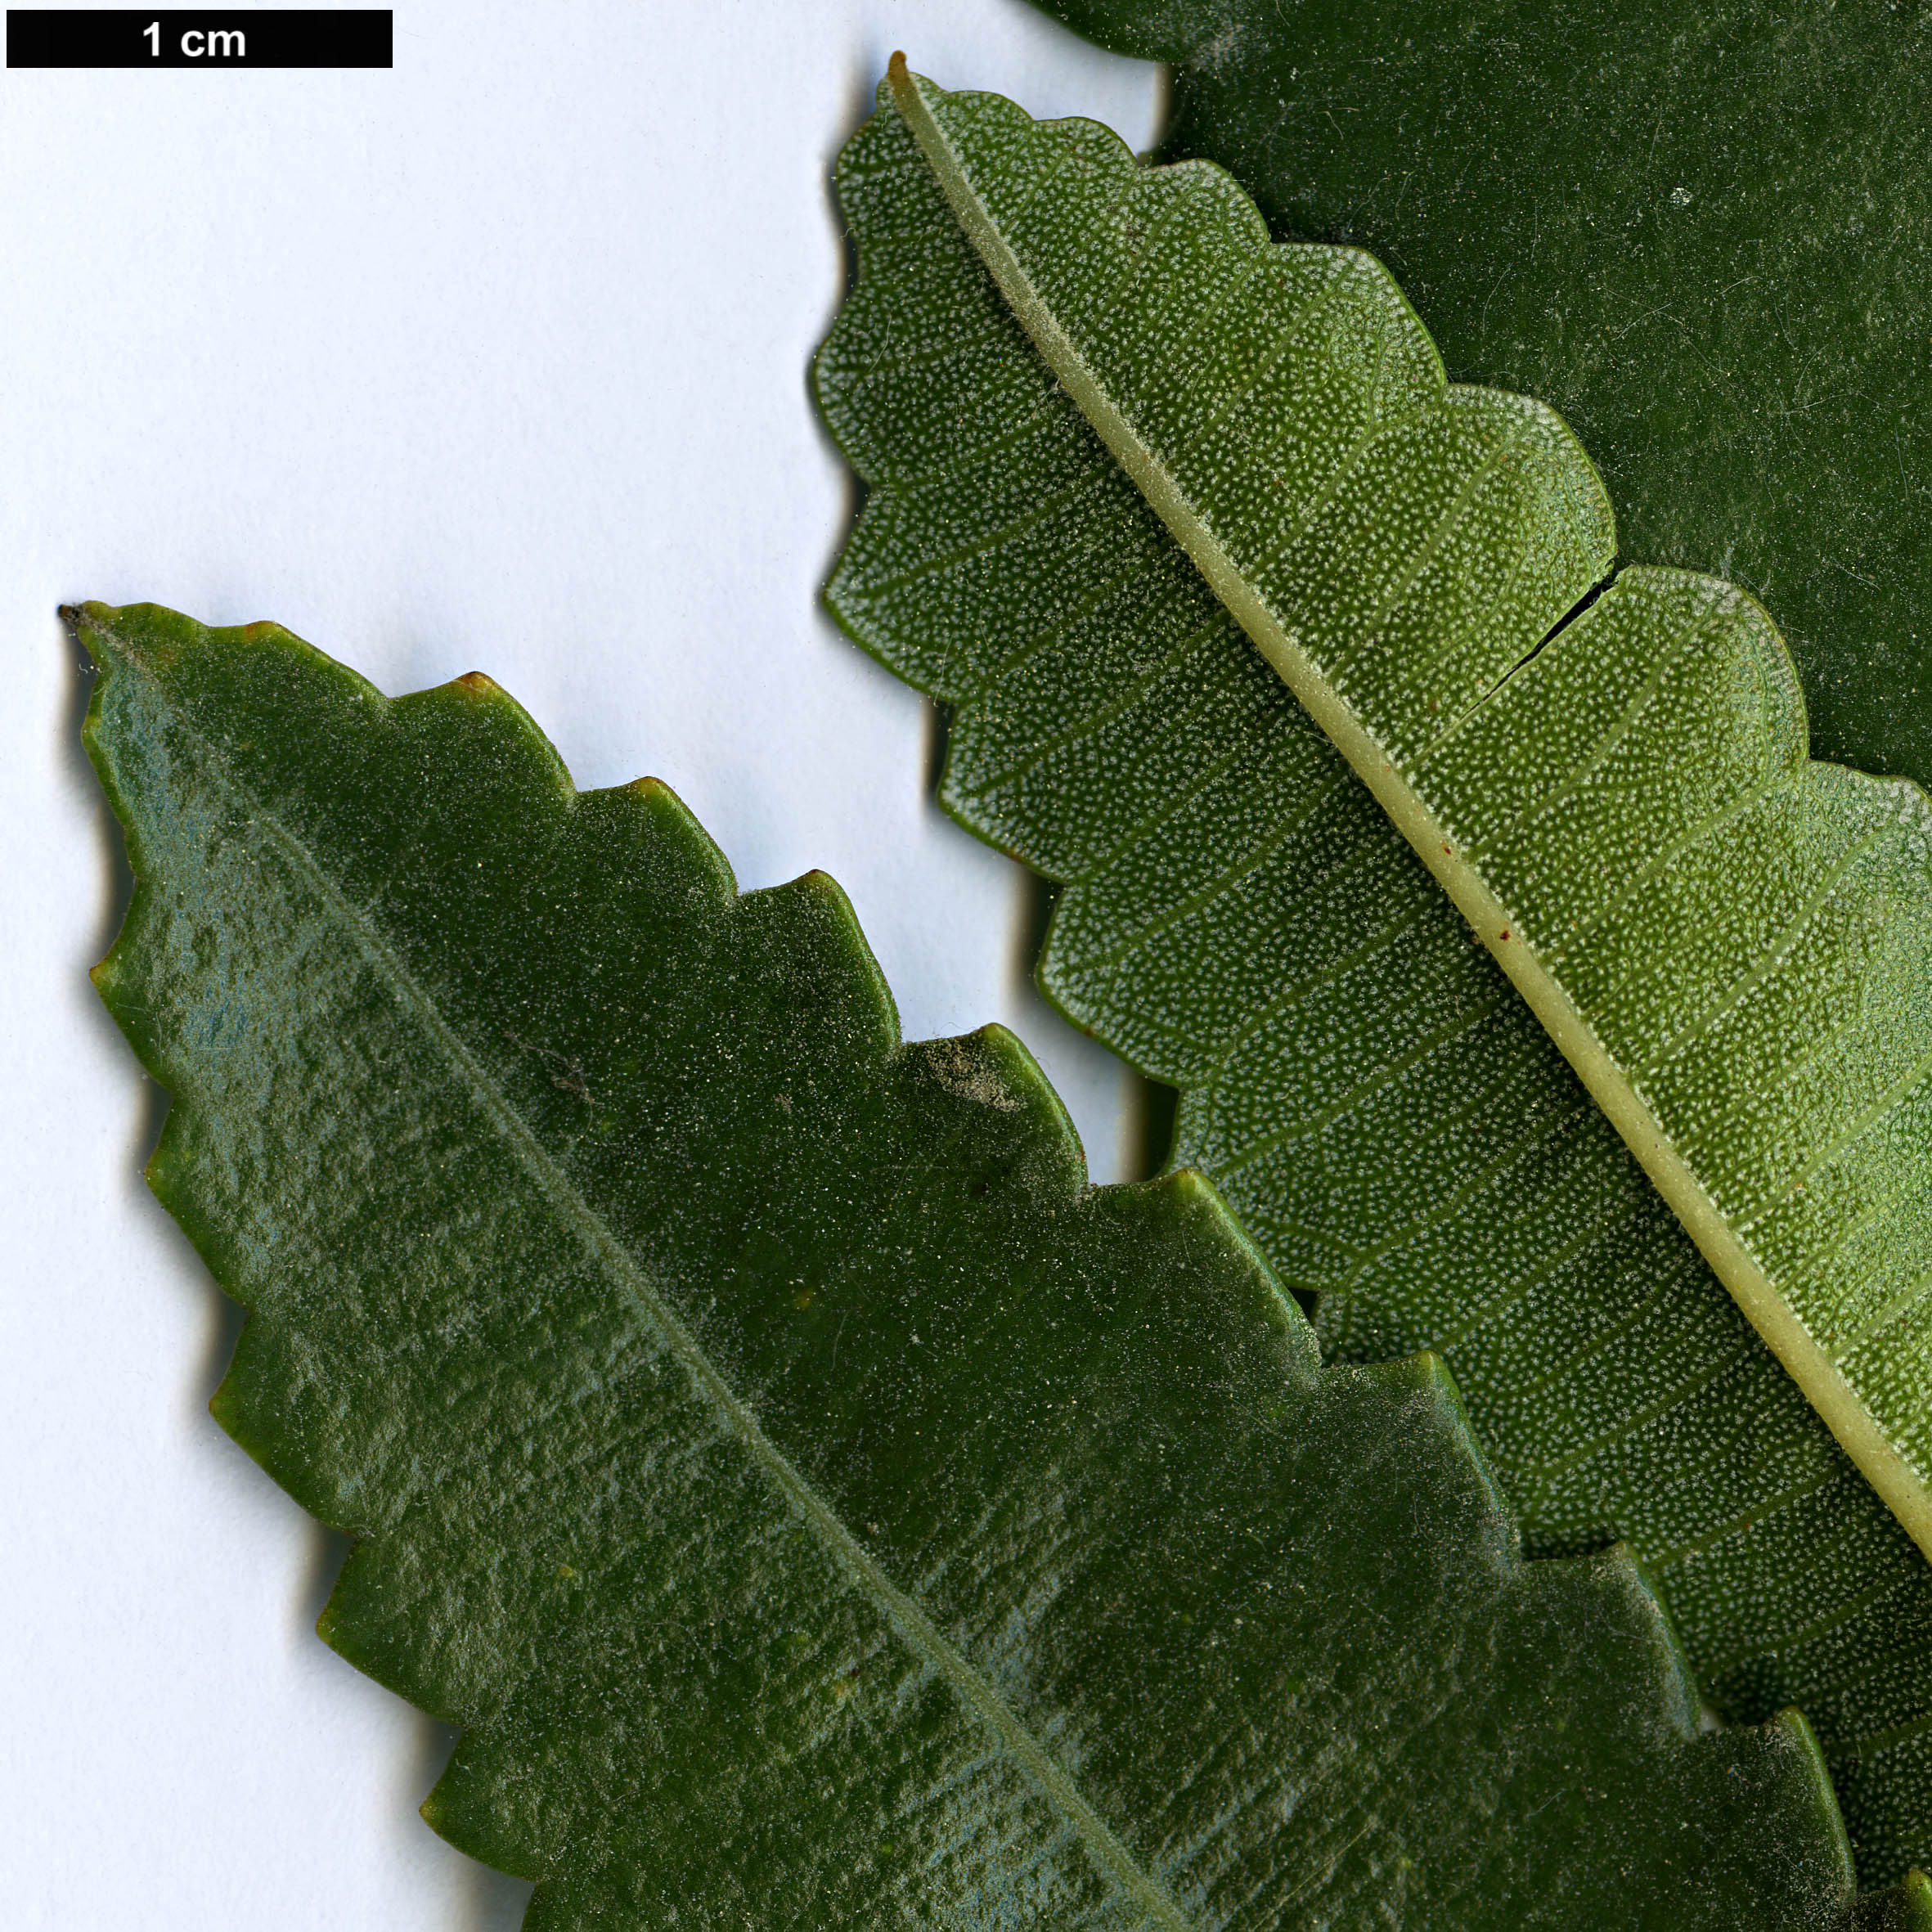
(498, 361)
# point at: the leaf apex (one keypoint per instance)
(903, 85)
(90, 624)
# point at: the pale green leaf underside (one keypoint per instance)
(1725, 938)
(821, 1508)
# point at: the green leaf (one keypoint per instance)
(819, 1506)
(1104, 421)
(1700, 233)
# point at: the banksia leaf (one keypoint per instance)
(1519, 970)
(817, 1504)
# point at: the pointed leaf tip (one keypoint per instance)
(900, 82)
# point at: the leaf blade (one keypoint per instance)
(566, 1544)
(1881, 1426)
(935, 595)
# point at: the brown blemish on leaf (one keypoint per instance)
(962, 1068)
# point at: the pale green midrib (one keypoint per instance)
(1825, 1386)
(582, 1221)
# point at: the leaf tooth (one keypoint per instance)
(393, 1615)
(485, 1805)
(807, 917)
(274, 1404)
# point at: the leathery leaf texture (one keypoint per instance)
(1107, 426)
(819, 1506)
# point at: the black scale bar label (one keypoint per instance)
(125, 37)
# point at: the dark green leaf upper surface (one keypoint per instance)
(1700, 230)
(819, 1506)
(1241, 919)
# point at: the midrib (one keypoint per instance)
(583, 1221)
(1824, 1386)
